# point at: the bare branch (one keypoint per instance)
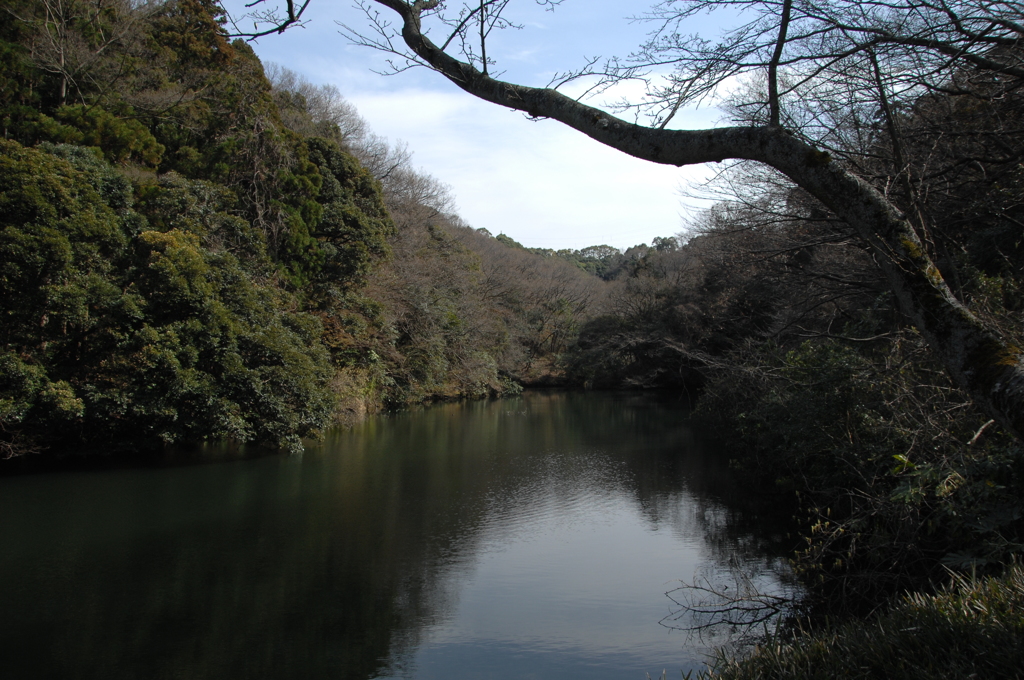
(704, 607)
(773, 65)
(268, 20)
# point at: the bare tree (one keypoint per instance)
(412, 197)
(315, 110)
(75, 38)
(806, 65)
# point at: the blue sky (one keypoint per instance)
(541, 183)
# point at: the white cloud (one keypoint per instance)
(540, 182)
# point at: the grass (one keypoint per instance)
(972, 629)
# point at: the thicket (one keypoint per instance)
(195, 248)
(117, 334)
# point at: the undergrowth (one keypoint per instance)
(973, 628)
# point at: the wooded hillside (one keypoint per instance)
(192, 250)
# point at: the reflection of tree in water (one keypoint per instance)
(730, 607)
(646, 449)
(747, 587)
(734, 524)
(679, 480)
(329, 565)
(746, 582)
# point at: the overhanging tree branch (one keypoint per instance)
(830, 47)
(977, 358)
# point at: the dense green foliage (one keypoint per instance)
(118, 335)
(191, 252)
(893, 482)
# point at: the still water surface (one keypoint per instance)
(532, 537)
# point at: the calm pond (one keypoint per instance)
(532, 537)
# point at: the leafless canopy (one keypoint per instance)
(826, 54)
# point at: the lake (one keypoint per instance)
(530, 537)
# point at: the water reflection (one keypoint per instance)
(530, 537)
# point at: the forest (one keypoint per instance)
(197, 247)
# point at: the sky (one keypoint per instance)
(541, 183)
